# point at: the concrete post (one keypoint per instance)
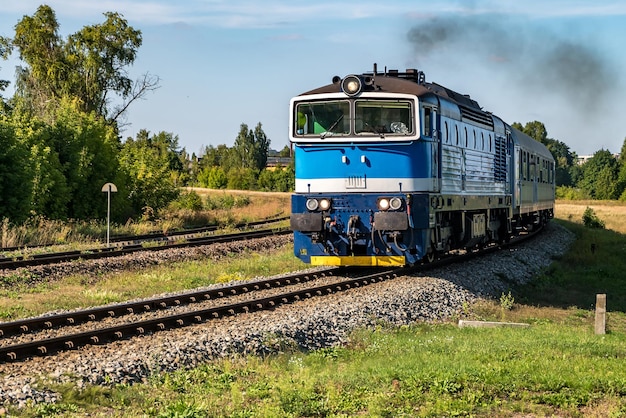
(601, 313)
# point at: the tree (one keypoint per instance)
(599, 177)
(39, 45)
(535, 130)
(87, 148)
(15, 179)
(5, 50)
(147, 164)
(251, 148)
(621, 177)
(90, 66)
(261, 147)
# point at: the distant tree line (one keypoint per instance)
(60, 135)
(60, 131)
(602, 177)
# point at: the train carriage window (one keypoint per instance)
(322, 118)
(456, 130)
(482, 140)
(474, 132)
(446, 133)
(466, 137)
(489, 142)
(384, 117)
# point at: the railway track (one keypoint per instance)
(102, 252)
(160, 236)
(99, 335)
(129, 328)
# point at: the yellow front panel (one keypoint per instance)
(361, 260)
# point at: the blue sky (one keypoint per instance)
(227, 62)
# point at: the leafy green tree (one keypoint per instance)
(48, 193)
(281, 179)
(285, 152)
(88, 149)
(15, 178)
(621, 177)
(600, 175)
(5, 50)
(534, 129)
(285, 180)
(217, 178)
(90, 66)
(147, 163)
(261, 147)
(40, 46)
(250, 148)
(242, 178)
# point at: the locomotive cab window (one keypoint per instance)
(383, 117)
(322, 118)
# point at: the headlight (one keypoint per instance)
(351, 85)
(314, 204)
(311, 204)
(395, 203)
(383, 204)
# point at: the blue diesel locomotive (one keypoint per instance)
(391, 170)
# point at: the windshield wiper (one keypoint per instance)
(330, 130)
(382, 135)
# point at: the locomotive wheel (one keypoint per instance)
(430, 256)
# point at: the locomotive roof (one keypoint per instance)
(409, 82)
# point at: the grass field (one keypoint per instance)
(555, 367)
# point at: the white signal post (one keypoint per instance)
(109, 188)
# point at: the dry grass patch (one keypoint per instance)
(613, 213)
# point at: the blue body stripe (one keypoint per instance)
(409, 160)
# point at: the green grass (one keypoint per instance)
(576, 277)
(423, 370)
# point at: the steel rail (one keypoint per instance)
(125, 331)
(161, 236)
(103, 252)
(73, 318)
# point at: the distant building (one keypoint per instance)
(273, 162)
(582, 159)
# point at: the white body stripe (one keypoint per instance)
(372, 185)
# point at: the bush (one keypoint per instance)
(188, 200)
(591, 220)
(570, 193)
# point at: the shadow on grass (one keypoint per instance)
(595, 263)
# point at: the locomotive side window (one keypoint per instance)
(323, 118)
(445, 133)
(383, 117)
(426, 125)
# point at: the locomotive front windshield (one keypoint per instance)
(362, 117)
(323, 118)
(382, 117)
